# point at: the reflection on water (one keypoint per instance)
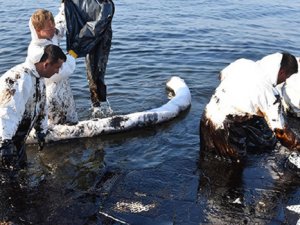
(54, 185)
(253, 192)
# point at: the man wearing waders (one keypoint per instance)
(89, 35)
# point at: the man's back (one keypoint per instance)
(243, 90)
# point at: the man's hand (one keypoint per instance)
(288, 138)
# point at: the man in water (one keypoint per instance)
(23, 103)
(245, 113)
(45, 29)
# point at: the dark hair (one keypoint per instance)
(289, 64)
(53, 53)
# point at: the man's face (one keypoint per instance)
(49, 69)
(48, 31)
(282, 76)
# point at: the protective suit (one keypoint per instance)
(89, 34)
(60, 101)
(291, 94)
(245, 110)
(22, 107)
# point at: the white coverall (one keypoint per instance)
(60, 101)
(22, 103)
(291, 93)
(248, 88)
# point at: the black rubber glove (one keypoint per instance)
(8, 154)
(41, 140)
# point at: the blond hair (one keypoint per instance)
(39, 17)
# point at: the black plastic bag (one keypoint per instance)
(87, 21)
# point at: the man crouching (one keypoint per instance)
(245, 112)
(23, 103)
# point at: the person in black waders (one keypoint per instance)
(23, 104)
(89, 35)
